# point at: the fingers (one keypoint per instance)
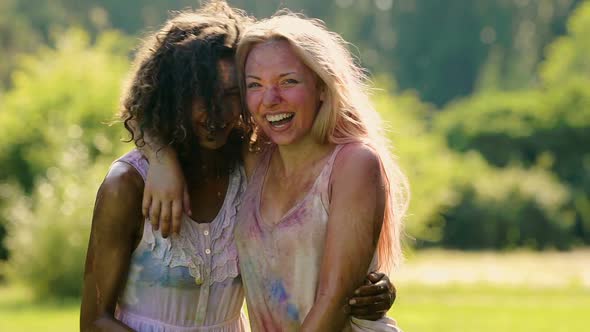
(165, 218)
(370, 307)
(145, 204)
(373, 289)
(186, 202)
(375, 276)
(375, 302)
(176, 216)
(155, 214)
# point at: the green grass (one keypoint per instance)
(418, 308)
(18, 312)
(485, 308)
(437, 291)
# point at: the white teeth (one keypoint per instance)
(278, 117)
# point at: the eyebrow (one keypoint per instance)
(281, 75)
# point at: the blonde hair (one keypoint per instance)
(346, 114)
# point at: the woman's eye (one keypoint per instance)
(290, 81)
(252, 85)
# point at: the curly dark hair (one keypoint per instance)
(175, 65)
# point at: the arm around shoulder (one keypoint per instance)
(116, 223)
(357, 206)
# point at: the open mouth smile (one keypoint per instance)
(280, 119)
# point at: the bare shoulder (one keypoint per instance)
(118, 201)
(356, 161)
(122, 180)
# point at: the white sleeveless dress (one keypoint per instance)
(189, 282)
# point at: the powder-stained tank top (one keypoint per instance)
(280, 261)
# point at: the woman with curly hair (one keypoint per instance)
(183, 92)
(184, 96)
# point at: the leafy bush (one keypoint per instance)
(61, 94)
(509, 209)
(55, 149)
(461, 201)
(548, 126)
(435, 172)
(49, 230)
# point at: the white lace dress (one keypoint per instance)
(190, 281)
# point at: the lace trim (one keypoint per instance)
(187, 250)
(224, 264)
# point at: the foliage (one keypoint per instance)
(443, 56)
(567, 57)
(460, 201)
(510, 208)
(429, 165)
(54, 150)
(547, 126)
(440, 56)
(534, 128)
(49, 230)
(61, 94)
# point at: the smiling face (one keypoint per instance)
(212, 127)
(282, 93)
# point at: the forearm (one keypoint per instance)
(326, 314)
(356, 208)
(340, 277)
(116, 222)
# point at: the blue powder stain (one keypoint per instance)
(155, 272)
(279, 294)
(277, 291)
(292, 312)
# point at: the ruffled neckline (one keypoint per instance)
(188, 247)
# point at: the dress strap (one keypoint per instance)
(327, 176)
(334, 155)
(261, 167)
(137, 160)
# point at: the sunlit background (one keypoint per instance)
(488, 103)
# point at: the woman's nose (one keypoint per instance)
(271, 96)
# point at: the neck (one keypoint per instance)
(294, 157)
(204, 164)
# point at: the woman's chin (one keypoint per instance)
(212, 145)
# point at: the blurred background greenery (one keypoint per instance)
(488, 102)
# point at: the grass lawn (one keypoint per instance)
(437, 291)
(418, 309)
(19, 313)
(485, 308)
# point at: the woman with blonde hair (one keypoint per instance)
(325, 188)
